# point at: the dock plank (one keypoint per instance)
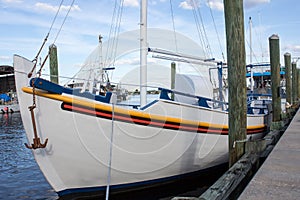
(279, 176)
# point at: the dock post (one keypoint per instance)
(173, 76)
(53, 63)
(288, 82)
(275, 79)
(294, 83)
(234, 23)
(298, 83)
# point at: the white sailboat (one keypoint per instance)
(85, 142)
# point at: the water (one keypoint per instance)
(20, 176)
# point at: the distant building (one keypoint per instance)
(7, 79)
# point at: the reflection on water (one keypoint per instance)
(20, 177)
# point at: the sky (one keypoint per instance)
(25, 24)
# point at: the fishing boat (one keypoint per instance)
(86, 142)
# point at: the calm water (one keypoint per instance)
(20, 177)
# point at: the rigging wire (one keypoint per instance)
(55, 16)
(63, 21)
(117, 30)
(114, 30)
(57, 32)
(173, 23)
(44, 42)
(250, 47)
(259, 37)
(199, 31)
(212, 16)
(203, 28)
(108, 51)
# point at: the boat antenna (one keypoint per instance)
(45, 40)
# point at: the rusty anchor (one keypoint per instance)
(36, 140)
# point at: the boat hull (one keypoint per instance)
(92, 144)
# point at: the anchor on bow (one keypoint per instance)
(36, 140)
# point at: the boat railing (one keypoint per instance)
(202, 101)
(58, 89)
(254, 104)
(258, 103)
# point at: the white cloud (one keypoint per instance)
(5, 58)
(12, 1)
(292, 48)
(131, 3)
(253, 3)
(51, 8)
(189, 4)
(216, 4)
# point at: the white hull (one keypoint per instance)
(79, 148)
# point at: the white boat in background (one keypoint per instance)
(87, 143)
(10, 108)
(9, 103)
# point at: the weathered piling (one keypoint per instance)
(288, 82)
(173, 76)
(294, 83)
(234, 22)
(275, 79)
(53, 63)
(298, 83)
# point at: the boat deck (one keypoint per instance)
(279, 176)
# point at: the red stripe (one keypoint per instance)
(160, 124)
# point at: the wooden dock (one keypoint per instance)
(279, 176)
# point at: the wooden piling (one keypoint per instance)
(53, 63)
(173, 76)
(288, 81)
(294, 83)
(234, 22)
(298, 83)
(275, 78)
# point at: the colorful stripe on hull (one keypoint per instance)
(145, 121)
(102, 110)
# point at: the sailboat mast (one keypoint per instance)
(143, 53)
(251, 68)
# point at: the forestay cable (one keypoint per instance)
(45, 40)
(63, 21)
(58, 30)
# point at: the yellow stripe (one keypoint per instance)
(108, 108)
